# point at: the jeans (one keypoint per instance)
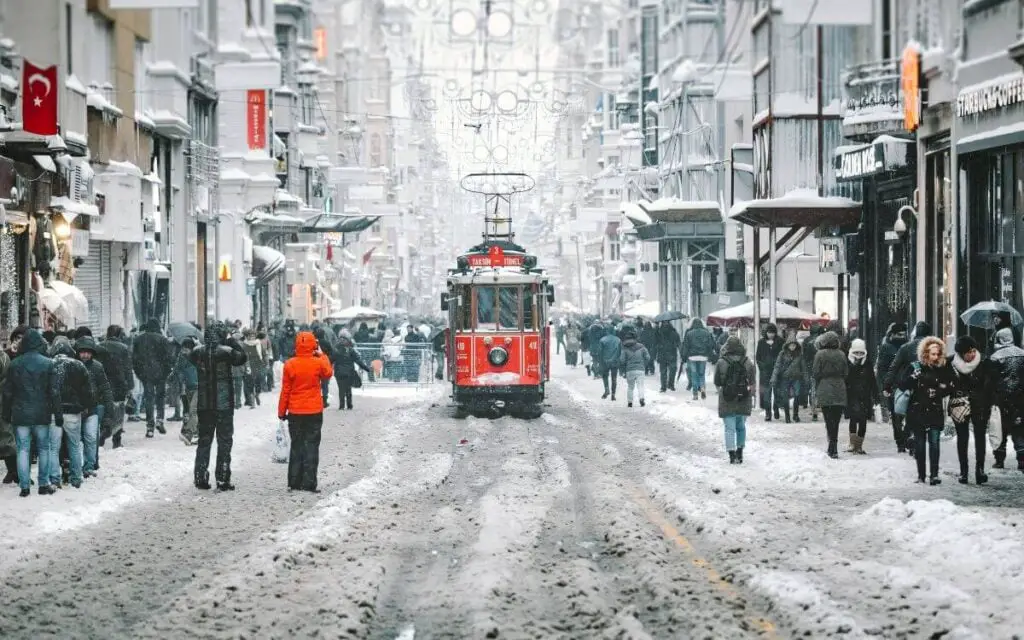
(153, 397)
(238, 384)
(222, 424)
(963, 429)
(52, 453)
(90, 430)
(695, 371)
(833, 416)
(614, 373)
(735, 431)
(304, 455)
(634, 381)
(73, 434)
(668, 375)
(189, 420)
(23, 437)
(932, 435)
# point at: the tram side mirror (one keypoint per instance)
(444, 302)
(551, 294)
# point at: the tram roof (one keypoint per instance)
(497, 275)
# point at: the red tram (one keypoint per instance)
(497, 301)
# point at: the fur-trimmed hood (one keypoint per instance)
(925, 344)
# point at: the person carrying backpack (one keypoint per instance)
(734, 377)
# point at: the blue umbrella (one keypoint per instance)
(983, 314)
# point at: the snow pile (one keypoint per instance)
(796, 593)
(936, 532)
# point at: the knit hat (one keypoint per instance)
(964, 344)
(858, 346)
(898, 327)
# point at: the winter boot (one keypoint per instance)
(629, 404)
(202, 480)
(149, 431)
(642, 403)
(703, 394)
(695, 394)
(785, 411)
(739, 455)
(796, 413)
(1000, 457)
(605, 396)
(853, 444)
(186, 438)
(1020, 462)
(225, 486)
(11, 462)
(732, 457)
(767, 415)
(833, 449)
(115, 441)
(979, 476)
(860, 446)
(160, 427)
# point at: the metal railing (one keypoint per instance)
(404, 363)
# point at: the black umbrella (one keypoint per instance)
(178, 331)
(668, 316)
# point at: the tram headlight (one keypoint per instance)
(497, 356)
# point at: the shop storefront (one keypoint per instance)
(990, 148)
(880, 260)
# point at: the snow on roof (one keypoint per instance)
(795, 198)
(1005, 130)
(672, 204)
(635, 213)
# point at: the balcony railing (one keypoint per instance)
(873, 104)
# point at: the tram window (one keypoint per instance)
(529, 323)
(508, 307)
(464, 309)
(485, 308)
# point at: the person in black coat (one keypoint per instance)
(904, 359)
(895, 337)
(667, 350)
(88, 355)
(970, 404)
(1008, 394)
(929, 381)
(152, 359)
(861, 394)
(215, 403)
(344, 361)
(116, 358)
(768, 349)
(648, 336)
(77, 393)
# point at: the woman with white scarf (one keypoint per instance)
(970, 404)
(861, 394)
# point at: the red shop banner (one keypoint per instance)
(256, 118)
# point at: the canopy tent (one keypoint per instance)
(742, 316)
(642, 309)
(338, 223)
(358, 313)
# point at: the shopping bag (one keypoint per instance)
(995, 428)
(282, 443)
(901, 402)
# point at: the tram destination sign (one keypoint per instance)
(495, 260)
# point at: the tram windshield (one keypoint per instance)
(498, 308)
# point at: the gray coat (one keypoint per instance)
(829, 371)
(733, 354)
(634, 356)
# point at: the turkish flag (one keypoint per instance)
(39, 99)
(366, 256)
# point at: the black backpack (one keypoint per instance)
(737, 382)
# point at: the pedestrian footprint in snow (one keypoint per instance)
(929, 381)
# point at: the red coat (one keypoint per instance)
(301, 393)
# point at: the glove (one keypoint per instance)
(58, 420)
(283, 418)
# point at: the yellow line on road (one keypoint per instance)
(655, 515)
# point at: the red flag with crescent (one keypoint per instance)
(39, 99)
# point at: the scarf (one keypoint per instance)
(963, 367)
(857, 359)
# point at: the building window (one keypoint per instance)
(142, 89)
(250, 17)
(375, 150)
(613, 112)
(69, 40)
(101, 54)
(613, 47)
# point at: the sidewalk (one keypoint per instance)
(143, 469)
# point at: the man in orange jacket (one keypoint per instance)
(301, 404)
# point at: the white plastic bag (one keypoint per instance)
(995, 428)
(282, 443)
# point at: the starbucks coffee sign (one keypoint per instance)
(993, 95)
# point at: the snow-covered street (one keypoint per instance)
(593, 521)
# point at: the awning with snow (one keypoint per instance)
(338, 223)
(798, 208)
(267, 263)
